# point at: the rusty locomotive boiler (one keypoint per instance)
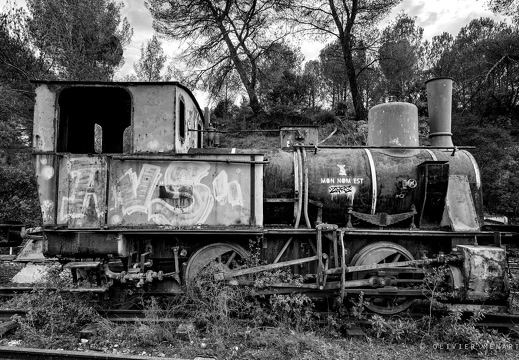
(127, 189)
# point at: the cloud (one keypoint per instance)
(141, 21)
(311, 49)
(436, 17)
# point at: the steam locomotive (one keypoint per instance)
(130, 188)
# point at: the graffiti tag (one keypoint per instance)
(173, 194)
(83, 178)
(340, 189)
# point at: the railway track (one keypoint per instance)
(123, 316)
(8, 352)
(109, 314)
(504, 322)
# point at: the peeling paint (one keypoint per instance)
(82, 191)
(179, 193)
(484, 270)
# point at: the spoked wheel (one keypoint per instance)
(383, 253)
(225, 255)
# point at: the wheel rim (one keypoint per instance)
(227, 255)
(382, 253)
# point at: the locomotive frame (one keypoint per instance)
(122, 173)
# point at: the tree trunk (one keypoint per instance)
(248, 83)
(345, 26)
(254, 102)
(360, 111)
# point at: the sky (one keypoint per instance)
(434, 16)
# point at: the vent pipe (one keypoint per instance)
(439, 104)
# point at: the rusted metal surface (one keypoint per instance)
(44, 122)
(185, 193)
(153, 118)
(192, 118)
(397, 180)
(84, 244)
(154, 192)
(152, 196)
(32, 251)
(463, 163)
(460, 212)
(300, 135)
(393, 124)
(338, 178)
(46, 180)
(439, 102)
(231, 274)
(484, 270)
(379, 183)
(82, 191)
(157, 112)
(433, 180)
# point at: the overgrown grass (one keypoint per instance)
(230, 322)
(333, 131)
(53, 318)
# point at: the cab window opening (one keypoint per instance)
(93, 120)
(182, 119)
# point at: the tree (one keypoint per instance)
(399, 56)
(152, 61)
(369, 76)
(497, 156)
(439, 56)
(279, 77)
(506, 7)
(18, 64)
(312, 82)
(486, 68)
(79, 39)
(347, 20)
(221, 36)
(332, 70)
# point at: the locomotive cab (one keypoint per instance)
(112, 163)
(89, 118)
(79, 127)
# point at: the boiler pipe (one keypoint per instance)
(299, 179)
(307, 219)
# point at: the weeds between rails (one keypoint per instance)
(231, 322)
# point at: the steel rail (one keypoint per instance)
(11, 352)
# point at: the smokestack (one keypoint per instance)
(439, 103)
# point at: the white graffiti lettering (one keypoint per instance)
(342, 180)
(47, 209)
(135, 191)
(177, 198)
(82, 179)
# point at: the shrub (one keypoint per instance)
(19, 195)
(292, 311)
(53, 319)
(399, 330)
(451, 330)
